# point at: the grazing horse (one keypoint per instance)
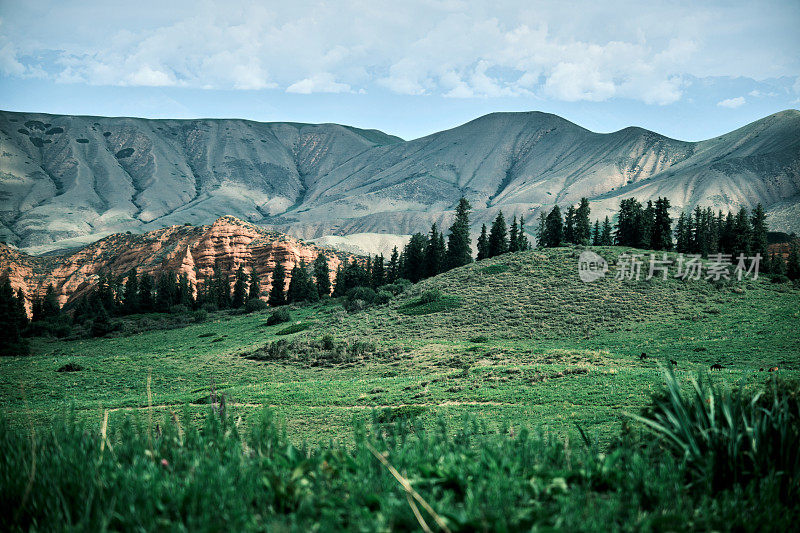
(717, 366)
(673, 362)
(643, 356)
(773, 369)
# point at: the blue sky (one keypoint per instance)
(685, 69)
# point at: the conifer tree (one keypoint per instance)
(778, 264)
(596, 233)
(522, 239)
(513, 235)
(393, 271)
(239, 297)
(166, 291)
(606, 235)
(185, 293)
(11, 342)
(569, 225)
(414, 258)
(379, 271)
(727, 236)
(277, 294)
(646, 224)
(583, 227)
(146, 293)
(661, 233)
(742, 233)
(254, 286)
(459, 249)
(683, 235)
(793, 262)
(758, 222)
(498, 236)
(629, 223)
(553, 229)
(130, 301)
(338, 282)
(541, 230)
(483, 244)
(322, 275)
(435, 253)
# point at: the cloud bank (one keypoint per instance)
(449, 48)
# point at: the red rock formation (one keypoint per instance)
(195, 250)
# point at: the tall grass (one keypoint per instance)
(726, 438)
(218, 475)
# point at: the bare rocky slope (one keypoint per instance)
(66, 180)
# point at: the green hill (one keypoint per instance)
(517, 340)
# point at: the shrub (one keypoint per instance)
(432, 295)
(279, 316)
(200, 315)
(178, 309)
(70, 367)
(254, 304)
(294, 328)
(479, 338)
(383, 297)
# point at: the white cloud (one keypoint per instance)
(478, 49)
(732, 103)
(319, 83)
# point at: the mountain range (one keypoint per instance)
(66, 181)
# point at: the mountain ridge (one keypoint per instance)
(68, 180)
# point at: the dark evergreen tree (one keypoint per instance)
(459, 248)
(646, 224)
(727, 235)
(596, 233)
(793, 262)
(166, 291)
(541, 230)
(277, 295)
(130, 300)
(483, 244)
(522, 239)
(104, 292)
(338, 284)
(513, 236)
(254, 288)
(300, 286)
(101, 325)
(583, 227)
(629, 223)
(322, 275)
(569, 225)
(778, 264)
(145, 293)
(661, 232)
(393, 271)
(683, 234)
(239, 297)
(758, 223)
(435, 253)
(185, 293)
(498, 236)
(11, 342)
(379, 270)
(414, 258)
(553, 229)
(742, 233)
(606, 235)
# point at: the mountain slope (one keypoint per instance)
(66, 181)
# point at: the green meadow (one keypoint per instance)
(514, 341)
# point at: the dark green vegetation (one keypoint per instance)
(401, 475)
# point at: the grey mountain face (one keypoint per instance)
(66, 180)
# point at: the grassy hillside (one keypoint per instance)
(517, 340)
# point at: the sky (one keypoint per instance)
(689, 70)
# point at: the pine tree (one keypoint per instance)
(793, 262)
(629, 223)
(146, 293)
(254, 288)
(185, 293)
(583, 227)
(513, 236)
(483, 244)
(596, 233)
(522, 239)
(759, 224)
(646, 225)
(683, 235)
(727, 235)
(393, 272)
(11, 342)
(743, 232)
(778, 264)
(296, 285)
(239, 297)
(661, 233)
(338, 282)
(459, 249)
(166, 291)
(554, 229)
(379, 271)
(414, 258)
(498, 236)
(277, 294)
(606, 235)
(569, 225)
(130, 300)
(541, 230)
(322, 275)
(435, 253)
